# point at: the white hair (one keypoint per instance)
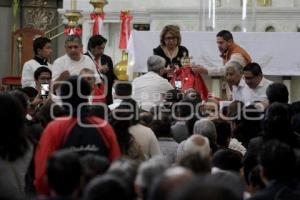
(155, 63)
(206, 128)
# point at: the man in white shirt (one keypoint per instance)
(42, 52)
(148, 89)
(73, 61)
(234, 78)
(257, 84)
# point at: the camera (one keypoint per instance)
(44, 89)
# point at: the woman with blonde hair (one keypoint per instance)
(170, 46)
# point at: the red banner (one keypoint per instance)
(98, 23)
(73, 31)
(125, 29)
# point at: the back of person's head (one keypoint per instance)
(39, 43)
(96, 40)
(196, 163)
(147, 173)
(183, 109)
(235, 111)
(75, 91)
(146, 118)
(155, 63)
(172, 180)
(64, 173)
(162, 127)
(93, 165)
(13, 139)
(226, 35)
(172, 96)
(208, 188)
(223, 133)
(106, 187)
(277, 122)
(295, 107)
(227, 159)
(30, 92)
(278, 161)
(254, 180)
(123, 89)
(73, 38)
(22, 98)
(41, 70)
(254, 68)
(206, 128)
(277, 92)
(194, 144)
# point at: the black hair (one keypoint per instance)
(73, 93)
(96, 40)
(13, 139)
(226, 35)
(278, 161)
(40, 70)
(223, 132)
(39, 43)
(227, 159)
(22, 98)
(254, 68)
(29, 91)
(106, 187)
(64, 172)
(123, 89)
(277, 92)
(162, 127)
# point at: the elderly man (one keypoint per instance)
(147, 89)
(73, 61)
(257, 84)
(234, 78)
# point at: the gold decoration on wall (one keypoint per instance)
(264, 3)
(38, 16)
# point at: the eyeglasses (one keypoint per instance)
(170, 38)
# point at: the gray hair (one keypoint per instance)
(236, 66)
(73, 38)
(150, 169)
(155, 63)
(206, 128)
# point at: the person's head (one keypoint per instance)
(196, 163)
(75, 91)
(234, 73)
(194, 144)
(146, 118)
(13, 139)
(172, 180)
(30, 92)
(88, 75)
(206, 128)
(162, 127)
(93, 165)
(278, 161)
(64, 173)
(148, 170)
(42, 75)
(123, 90)
(42, 47)
(252, 74)
(73, 47)
(170, 36)
(106, 187)
(277, 92)
(227, 159)
(223, 133)
(96, 45)
(156, 64)
(224, 40)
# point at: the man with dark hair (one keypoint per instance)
(42, 52)
(42, 75)
(257, 84)
(277, 92)
(104, 64)
(278, 165)
(230, 51)
(64, 175)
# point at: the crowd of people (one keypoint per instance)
(75, 132)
